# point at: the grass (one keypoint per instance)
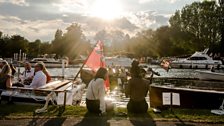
(27, 111)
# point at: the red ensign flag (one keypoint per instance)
(96, 60)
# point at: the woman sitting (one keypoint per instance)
(95, 93)
(137, 90)
(5, 75)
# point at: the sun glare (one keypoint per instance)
(107, 9)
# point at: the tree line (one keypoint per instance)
(70, 44)
(193, 28)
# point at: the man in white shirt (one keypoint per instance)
(39, 78)
(27, 75)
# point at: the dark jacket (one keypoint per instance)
(3, 81)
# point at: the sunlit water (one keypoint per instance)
(174, 73)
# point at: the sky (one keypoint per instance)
(39, 19)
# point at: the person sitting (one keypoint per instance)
(39, 78)
(27, 75)
(13, 69)
(96, 92)
(134, 68)
(5, 75)
(46, 73)
(137, 90)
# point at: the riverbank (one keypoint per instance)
(18, 112)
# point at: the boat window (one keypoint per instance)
(43, 60)
(197, 58)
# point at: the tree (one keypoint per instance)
(72, 43)
(199, 20)
(221, 19)
(1, 34)
(14, 44)
(57, 43)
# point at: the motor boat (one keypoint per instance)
(186, 93)
(211, 75)
(199, 60)
(50, 62)
(121, 61)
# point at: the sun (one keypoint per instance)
(106, 9)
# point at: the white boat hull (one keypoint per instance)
(208, 75)
(50, 65)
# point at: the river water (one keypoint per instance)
(173, 73)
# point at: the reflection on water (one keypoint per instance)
(69, 72)
(175, 73)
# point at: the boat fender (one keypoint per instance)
(190, 67)
(196, 67)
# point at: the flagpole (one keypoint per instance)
(76, 76)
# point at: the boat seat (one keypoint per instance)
(55, 85)
(63, 88)
(52, 86)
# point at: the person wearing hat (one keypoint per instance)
(39, 78)
(5, 75)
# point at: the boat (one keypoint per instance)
(199, 60)
(194, 94)
(66, 92)
(209, 75)
(50, 62)
(121, 61)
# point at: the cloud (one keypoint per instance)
(147, 1)
(32, 30)
(39, 19)
(16, 2)
(45, 28)
(148, 19)
(172, 1)
(92, 25)
(71, 6)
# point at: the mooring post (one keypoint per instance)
(63, 69)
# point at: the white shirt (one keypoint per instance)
(27, 74)
(96, 91)
(38, 80)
